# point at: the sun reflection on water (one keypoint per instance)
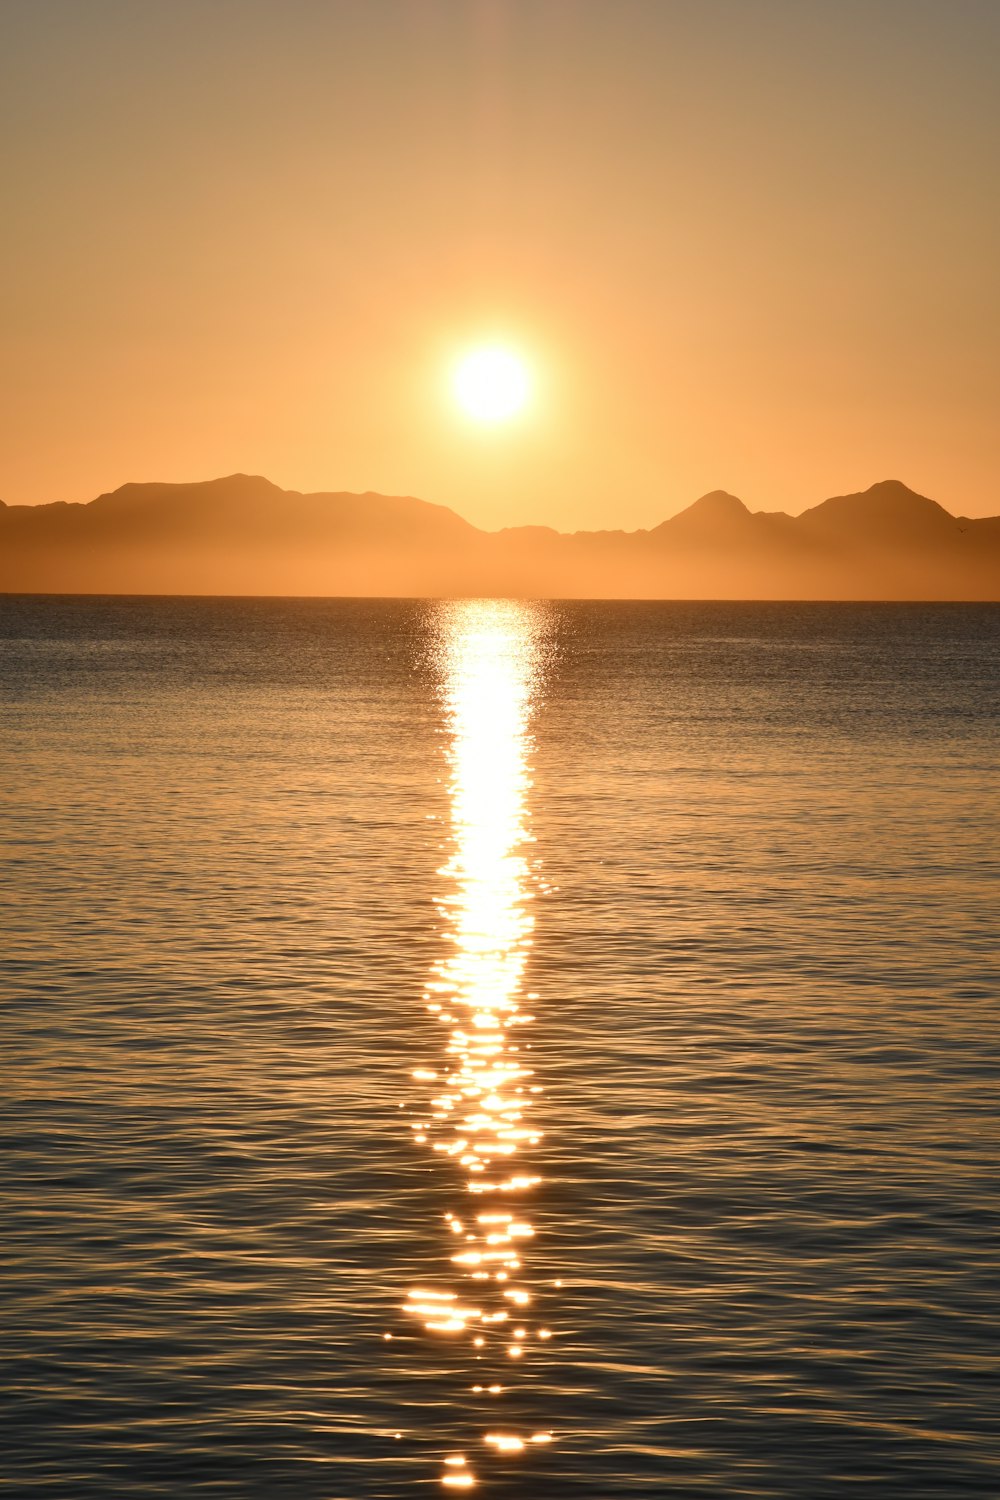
(479, 1106)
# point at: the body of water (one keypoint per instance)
(532, 1049)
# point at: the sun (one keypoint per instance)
(491, 384)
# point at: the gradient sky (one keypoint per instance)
(750, 244)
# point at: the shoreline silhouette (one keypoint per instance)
(243, 535)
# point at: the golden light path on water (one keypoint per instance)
(480, 1093)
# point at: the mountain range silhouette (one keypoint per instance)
(244, 535)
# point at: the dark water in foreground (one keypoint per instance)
(720, 1220)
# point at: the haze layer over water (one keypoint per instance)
(524, 1048)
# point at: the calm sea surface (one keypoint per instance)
(529, 1049)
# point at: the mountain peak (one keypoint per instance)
(888, 489)
(889, 508)
(708, 513)
(234, 487)
(717, 503)
(717, 508)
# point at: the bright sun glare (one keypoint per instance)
(491, 384)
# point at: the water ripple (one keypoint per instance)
(754, 851)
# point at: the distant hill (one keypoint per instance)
(244, 535)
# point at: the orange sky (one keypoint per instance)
(749, 244)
